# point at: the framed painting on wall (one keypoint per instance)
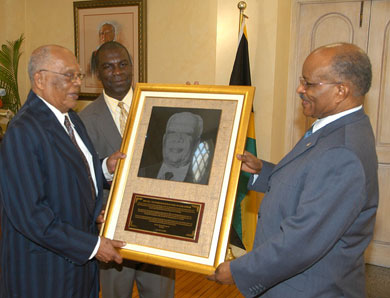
(96, 22)
(172, 197)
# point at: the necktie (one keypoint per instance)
(308, 132)
(122, 117)
(73, 139)
(168, 175)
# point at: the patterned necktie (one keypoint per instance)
(122, 117)
(308, 132)
(73, 139)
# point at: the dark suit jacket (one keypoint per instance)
(317, 216)
(47, 217)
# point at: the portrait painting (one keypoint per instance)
(179, 145)
(97, 22)
(172, 197)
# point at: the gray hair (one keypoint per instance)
(352, 64)
(38, 60)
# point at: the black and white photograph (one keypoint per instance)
(179, 145)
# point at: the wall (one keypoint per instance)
(268, 26)
(187, 40)
(181, 41)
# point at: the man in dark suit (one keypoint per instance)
(51, 189)
(180, 141)
(105, 121)
(318, 213)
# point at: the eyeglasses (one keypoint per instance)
(72, 77)
(307, 84)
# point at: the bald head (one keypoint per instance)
(347, 63)
(55, 76)
(43, 57)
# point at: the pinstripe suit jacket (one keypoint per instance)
(316, 218)
(47, 219)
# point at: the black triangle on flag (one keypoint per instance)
(241, 74)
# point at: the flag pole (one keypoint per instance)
(241, 6)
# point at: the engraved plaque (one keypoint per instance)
(165, 217)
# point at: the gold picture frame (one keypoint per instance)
(179, 224)
(126, 21)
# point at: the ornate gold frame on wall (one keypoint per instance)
(129, 19)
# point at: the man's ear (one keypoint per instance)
(343, 91)
(39, 80)
(97, 74)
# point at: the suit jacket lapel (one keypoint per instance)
(306, 144)
(96, 162)
(56, 130)
(84, 136)
(106, 124)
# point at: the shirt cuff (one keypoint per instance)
(93, 254)
(255, 176)
(106, 173)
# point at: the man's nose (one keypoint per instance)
(300, 89)
(179, 137)
(117, 69)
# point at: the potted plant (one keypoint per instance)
(9, 62)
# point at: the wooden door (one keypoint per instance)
(377, 106)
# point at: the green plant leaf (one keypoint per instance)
(9, 63)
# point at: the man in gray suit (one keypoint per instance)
(105, 120)
(318, 213)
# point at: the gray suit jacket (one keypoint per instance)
(101, 130)
(101, 127)
(317, 216)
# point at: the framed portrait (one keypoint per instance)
(172, 197)
(97, 22)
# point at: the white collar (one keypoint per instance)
(113, 103)
(59, 115)
(320, 123)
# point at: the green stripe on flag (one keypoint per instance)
(242, 189)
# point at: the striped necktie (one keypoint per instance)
(122, 117)
(73, 139)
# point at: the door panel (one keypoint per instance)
(377, 106)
